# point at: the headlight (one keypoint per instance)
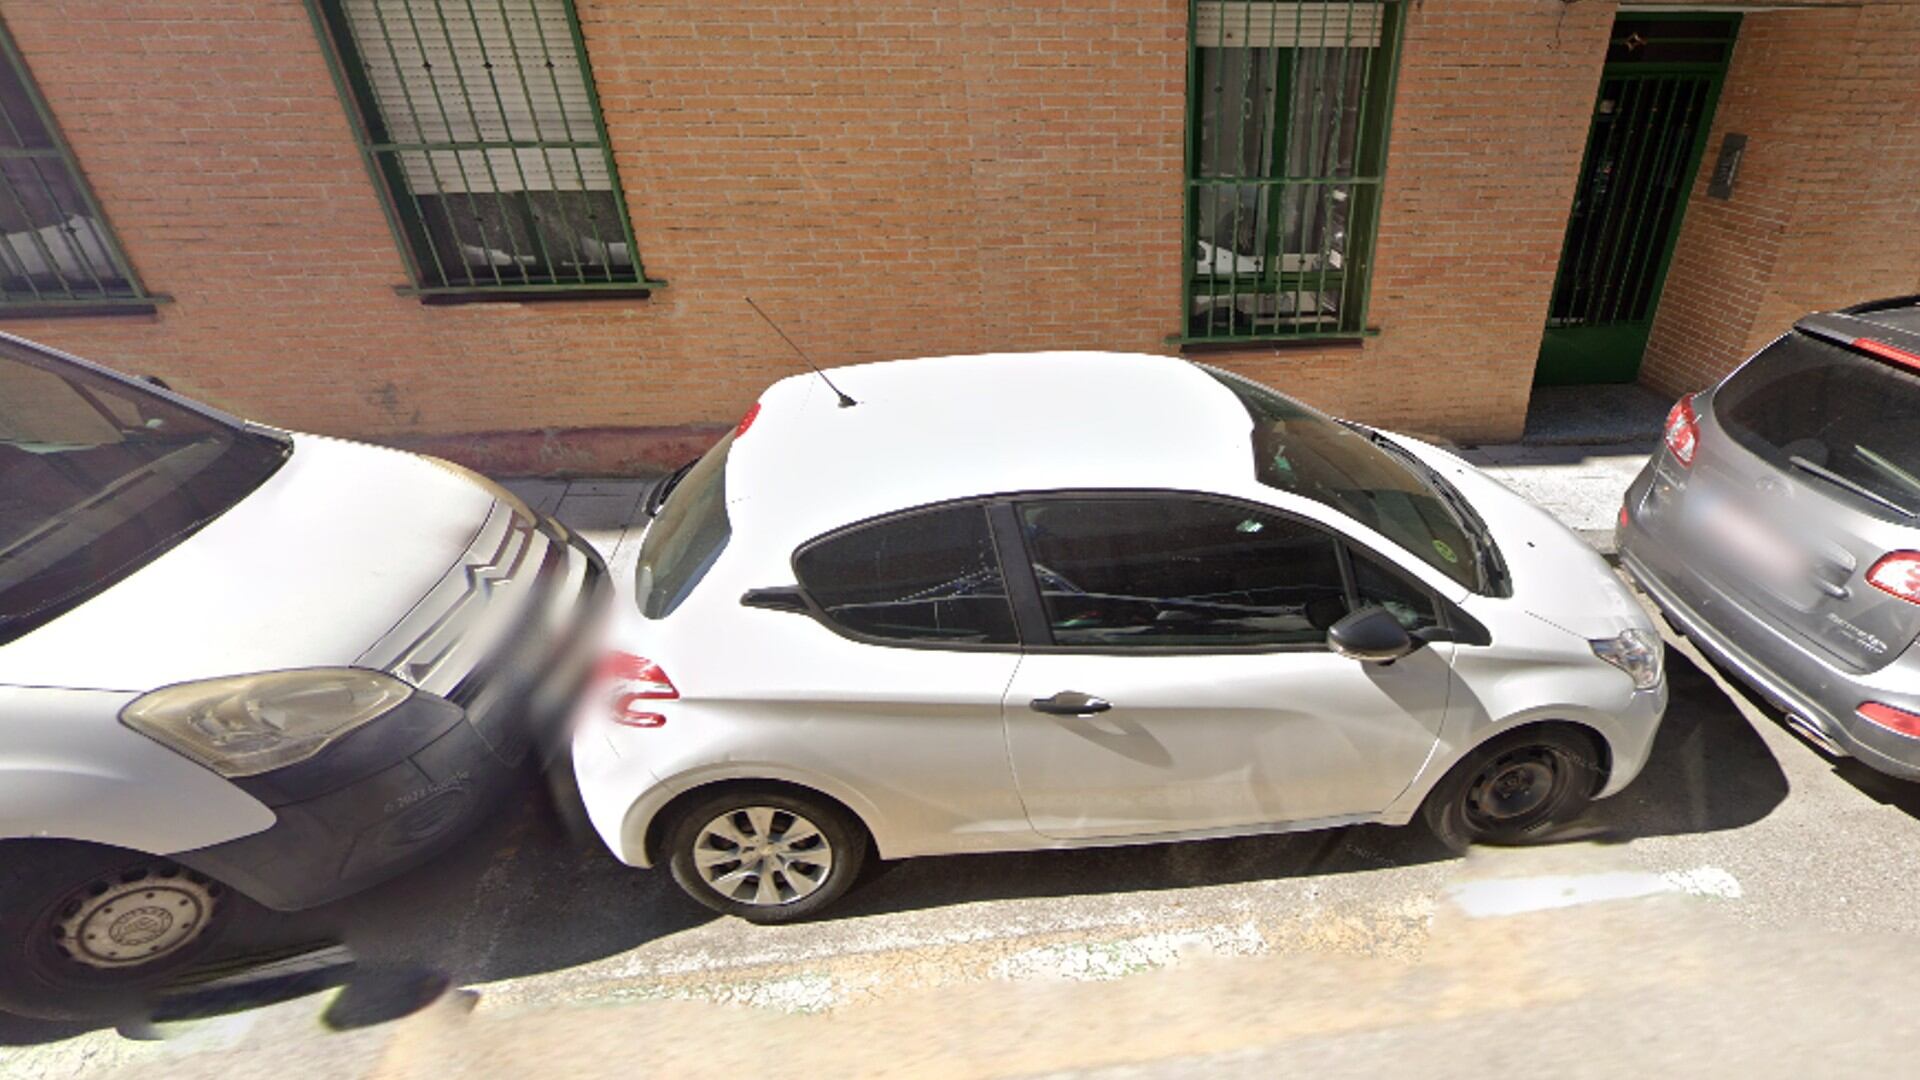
(1639, 653)
(243, 725)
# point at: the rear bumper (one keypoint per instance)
(1766, 658)
(404, 788)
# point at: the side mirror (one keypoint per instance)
(1371, 635)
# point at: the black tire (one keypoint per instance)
(46, 891)
(845, 851)
(1516, 788)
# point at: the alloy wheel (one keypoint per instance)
(762, 856)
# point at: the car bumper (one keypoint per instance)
(402, 789)
(1815, 693)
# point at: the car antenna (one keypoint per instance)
(845, 401)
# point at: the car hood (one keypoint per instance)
(1557, 577)
(308, 570)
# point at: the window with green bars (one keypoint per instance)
(479, 120)
(1287, 135)
(57, 253)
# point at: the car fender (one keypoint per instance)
(1627, 732)
(641, 815)
(70, 771)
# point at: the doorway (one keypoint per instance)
(1657, 95)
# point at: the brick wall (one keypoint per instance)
(887, 177)
(1488, 129)
(1826, 208)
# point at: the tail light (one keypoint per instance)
(627, 682)
(753, 413)
(1887, 352)
(1897, 574)
(1898, 721)
(1683, 431)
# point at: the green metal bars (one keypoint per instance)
(57, 253)
(479, 121)
(1639, 154)
(1286, 155)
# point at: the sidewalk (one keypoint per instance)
(1581, 484)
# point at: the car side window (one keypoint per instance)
(929, 576)
(1180, 571)
(1381, 586)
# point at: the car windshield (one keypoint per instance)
(98, 477)
(1829, 413)
(1298, 450)
(687, 535)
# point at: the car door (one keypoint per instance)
(1199, 625)
(902, 702)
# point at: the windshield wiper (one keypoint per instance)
(1492, 572)
(1854, 486)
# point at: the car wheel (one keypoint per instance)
(768, 856)
(86, 931)
(1515, 789)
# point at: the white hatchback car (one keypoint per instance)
(1065, 599)
(237, 662)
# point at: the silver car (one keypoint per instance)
(1779, 528)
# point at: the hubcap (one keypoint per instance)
(1515, 787)
(136, 918)
(762, 855)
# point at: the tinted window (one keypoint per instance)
(1180, 571)
(1298, 450)
(98, 477)
(686, 537)
(930, 576)
(1832, 409)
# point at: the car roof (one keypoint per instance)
(953, 427)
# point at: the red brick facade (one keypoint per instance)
(1826, 208)
(896, 178)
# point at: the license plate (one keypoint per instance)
(1750, 544)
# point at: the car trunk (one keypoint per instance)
(1806, 474)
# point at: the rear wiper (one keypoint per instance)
(1854, 486)
(657, 498)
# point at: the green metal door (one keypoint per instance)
(1657, 94)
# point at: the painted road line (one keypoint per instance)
(1516, 896)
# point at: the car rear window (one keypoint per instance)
(687, 536)
(1805, 402)
(929, 576)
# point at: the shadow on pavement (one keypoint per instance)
(1902, 795)
(1709, 769)
(529, 893)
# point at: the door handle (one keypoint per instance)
(1069, 703)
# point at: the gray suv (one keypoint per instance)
(1779, 528)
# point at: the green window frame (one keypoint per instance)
(1288, 110)
(58, 253)
(480, 125)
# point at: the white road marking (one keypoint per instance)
(1099, 960)
(1515, 896)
